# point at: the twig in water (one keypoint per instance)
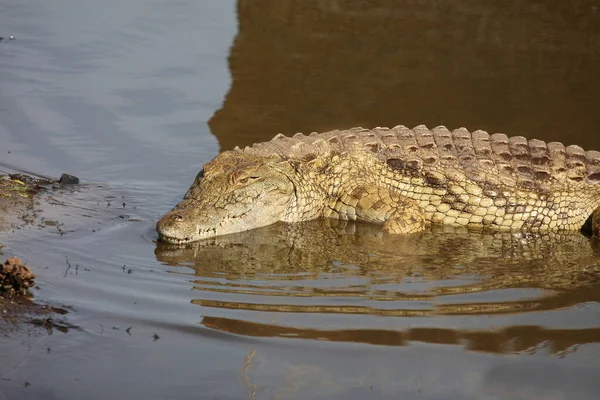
(246, 377)
(68, 268)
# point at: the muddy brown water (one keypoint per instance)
(133, 97)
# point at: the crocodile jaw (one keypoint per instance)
(185, 225)
(224, 203)
(173, 228)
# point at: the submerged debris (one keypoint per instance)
(15, 277)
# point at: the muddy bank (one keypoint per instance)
(16, 200)
(17, 307)
(23, 310)
(18, 204)
(18, 196)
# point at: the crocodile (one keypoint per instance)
(405, 179)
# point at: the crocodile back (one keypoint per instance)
(488, 160)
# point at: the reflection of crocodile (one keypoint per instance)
(508, 340)
(402, 178)
(344, 268)
(301, 277)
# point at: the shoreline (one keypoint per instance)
(18, 201)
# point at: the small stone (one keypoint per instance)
(67, 179)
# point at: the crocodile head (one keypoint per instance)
(234, 192)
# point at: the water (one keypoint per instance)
(135, 97)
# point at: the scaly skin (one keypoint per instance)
(404, 179)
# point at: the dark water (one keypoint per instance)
(133, 97)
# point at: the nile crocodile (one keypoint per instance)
(402, 178)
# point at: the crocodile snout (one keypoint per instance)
(174, 228)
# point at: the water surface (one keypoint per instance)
(134, 97)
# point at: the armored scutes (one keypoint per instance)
(402, 178)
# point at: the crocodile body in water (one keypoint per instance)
(402, 178)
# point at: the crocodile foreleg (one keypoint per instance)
(596, 223)
(399, 214)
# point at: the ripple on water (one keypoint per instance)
(328, 280)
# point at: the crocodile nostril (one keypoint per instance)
(177, 217)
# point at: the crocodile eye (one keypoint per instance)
(248, 179)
